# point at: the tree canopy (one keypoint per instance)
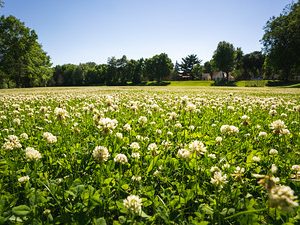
(23, 63)
(158, 67)
(189, 65)
(281, 42)
(224, 57)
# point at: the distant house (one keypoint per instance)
(184, 76)
(231, 78)
(218, 75)
(221, 75)
(206, 76)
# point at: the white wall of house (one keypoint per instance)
(206, 76)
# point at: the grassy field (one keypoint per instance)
(150, 155)
(191, 83)
(244, 83)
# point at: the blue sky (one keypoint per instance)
(75, 31)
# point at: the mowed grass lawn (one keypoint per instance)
(192, 83)
(242, 83)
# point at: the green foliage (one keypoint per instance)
(190, 66)
(207, 67)
(224, 57)
(192, 83)
(253, 65)
(282, 42)
(22, 60)
(67, 185)
(158, 67)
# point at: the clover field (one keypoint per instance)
(163, 155)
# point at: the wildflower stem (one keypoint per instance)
(246, 212)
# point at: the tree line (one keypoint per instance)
(24, 63)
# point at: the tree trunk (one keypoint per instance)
(227, 76)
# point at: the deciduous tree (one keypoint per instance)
(158, 67)
(224, 57)
(22, 59)
(282, 42)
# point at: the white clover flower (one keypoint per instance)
(139, 137)
(43, 109)
(226, 166)
(274, 169)
(190, 107)
(121, 158)
(17, 121)
(239, 170)
(214, 169)
(285, 132)
(192, 127)
(3, 117)
(166, 143)
(219, 179)
(12, 142)
(184, 100)
(107, 125)
(212, 156)
(61, 113)
(109, 100)
(169, 133)
(245, 117)
(101, 154)
(136, 178)
(219, 140)
(256, 159)
(24, 179)
(296, 108)
(282, 197)
(152, 147)
(133, 203)
(142, 120)
(230, 108)
(50, 138)
(272, 112)
(178, 125)
(156, 173)
(296, 167)
(135, 155)
(46, 212)
(158, 131)
(273, 151)
(119, 135)
(152, 123)
(135, 146)
(284, 115)
(197, 146)
(24, 136)
(262, 134)
(229, 129)
(32, 155)
(172, 115)
(238, 173)
(277, 126)
(184, 153)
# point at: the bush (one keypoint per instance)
(223, 83)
